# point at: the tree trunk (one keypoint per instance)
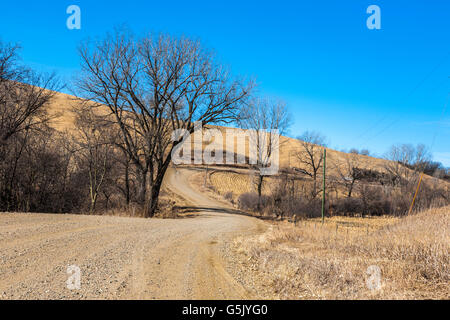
(260, 183)
(314, 193)
(127, 184)
(142, 193)
(350, 190)
(156, 188)
(153, 204)
(93, 203)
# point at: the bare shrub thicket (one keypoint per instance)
(288, 199)
(354, 190)
(34, 163)
(43, 170)
(389, 190)
(252, 201)
(37, 175)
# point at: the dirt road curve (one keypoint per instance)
(126, 258)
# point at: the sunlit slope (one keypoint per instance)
(289, 148)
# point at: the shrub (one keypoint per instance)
(347, 206)
(249, 201)
(228, 196)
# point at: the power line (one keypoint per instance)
(432, 145)
(442, 61)
(439, 121)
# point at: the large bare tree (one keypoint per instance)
(154, 86)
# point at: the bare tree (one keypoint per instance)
(95, 140)
(8, 61)
(24, 98)
(406, 162)
(266, 119)
(24, 95)
(422, 157)
(311, 155)
(348, 172)
(124, 181)
(154, 86)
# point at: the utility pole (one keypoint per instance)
(422, 174)
(415, 194)
(323, 187)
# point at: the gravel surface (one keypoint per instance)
(125, 258)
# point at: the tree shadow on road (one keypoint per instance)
(192, 211)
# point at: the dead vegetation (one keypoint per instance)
(137, 100)
(332, 261)
(353, 188)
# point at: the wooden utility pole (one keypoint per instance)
(415, 194)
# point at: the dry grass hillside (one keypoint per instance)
(62, 105)
(63, 118)
(235, 182)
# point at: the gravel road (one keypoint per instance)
(123, 258)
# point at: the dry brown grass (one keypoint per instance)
(324, 262)
(62, 106)
(237, 182)
(243, 181)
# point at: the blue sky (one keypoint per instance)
(361, 88)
